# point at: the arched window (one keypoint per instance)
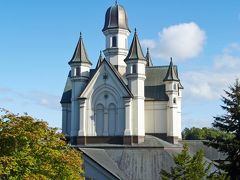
(114, 41)
(99, 119)
(78, 71)
(134, 68)
(175, 86)
(174, 101)
(111, 119)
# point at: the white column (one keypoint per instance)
(82, 124)
(64, 119)
(128, 117)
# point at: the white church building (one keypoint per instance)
(124, 96)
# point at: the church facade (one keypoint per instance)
(124, 96)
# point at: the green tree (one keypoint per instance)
(203, 133)
(190, 167)
(29, 149)
(229, 123)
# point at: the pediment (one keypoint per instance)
(106, 76)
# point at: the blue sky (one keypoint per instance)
(38, 38)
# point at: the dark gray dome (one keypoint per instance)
(116, 17)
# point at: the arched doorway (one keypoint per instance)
(99, 119)
(111, 119)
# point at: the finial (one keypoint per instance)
(116, 2)
(100, 53)
(81, 35)
(171, 60)
(135, 30)
(147, 50)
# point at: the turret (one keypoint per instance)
(135, 75)
(116, 31)
(148, 59)
(80, 68)
(173, 90)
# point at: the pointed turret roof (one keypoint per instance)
(80, 54)
(148, 59)
(171, 73)
(135, 51)
(100, 60)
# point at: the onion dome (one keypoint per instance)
(116, 18)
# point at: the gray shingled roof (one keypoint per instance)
(154, 83)
(80, 54)
(135, 51)
(138, 162)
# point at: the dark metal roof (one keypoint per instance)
(80, 54)
(67, 93)
(154, 83)
(135, 51)
(140, 161)
(116, 17)
(148, 59)
(171, 73)
(136, 162)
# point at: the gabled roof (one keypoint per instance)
(135, 51)
(115, 72)
(100, 59)
(80, 54)
(171, 73)
(148, 59)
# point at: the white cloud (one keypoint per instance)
(182, 41)
(210, 83)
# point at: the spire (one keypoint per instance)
(135, 51)
(148, 59)
(171, 73)
(80, 54)
(100, 59)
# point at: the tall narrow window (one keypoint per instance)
(174, 101)
(77, 71)
(99, 119)
(134, 69)
(112, 119)
(114, 41)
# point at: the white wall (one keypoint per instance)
(155, 117)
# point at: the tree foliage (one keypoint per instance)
(190, 167)
(229, 123)
(203, 133)
(29, 149)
